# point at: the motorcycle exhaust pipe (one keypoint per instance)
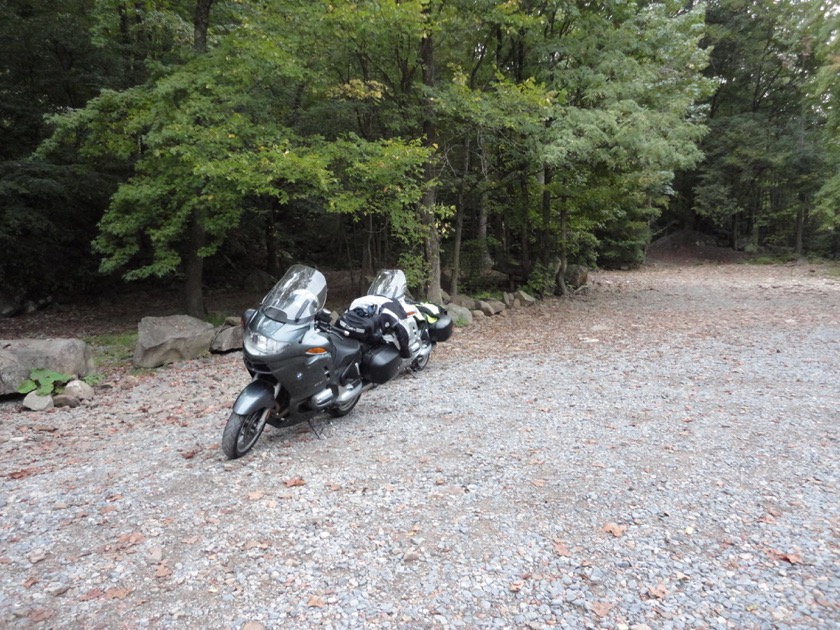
(322, 399)
(350, 392)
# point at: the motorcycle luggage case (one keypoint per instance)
(441, 330)
(380, 364)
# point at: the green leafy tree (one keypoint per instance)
(764, 153)
(825, 95)
(222, 138)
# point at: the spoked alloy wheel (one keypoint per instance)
(242, 432)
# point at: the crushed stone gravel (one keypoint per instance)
(660, 451)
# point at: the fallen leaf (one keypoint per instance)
(190, 454)
(255, 495)
(316, 602)
(539, 483)
(659, 591)
(117, 593)
(23, 473)
(561, 549)
(254, 544)
(162, 571)
(601, 609)
(515, 587)
(615, 529)
(41, 614)
(294, 481)
(30, 582)
(134, 538)
(190, 541)
(92, 594)
(792, 558)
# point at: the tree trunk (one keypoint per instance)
(800, 227)
(560, 287)
(427, 205)
(197, 237)
(201, 24)
(367, 248)
(481, 234)
(524, 244)
(456, 251)
(544, 254)
(272, 263)
(194, 269)
(459, 220)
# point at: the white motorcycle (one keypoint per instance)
(427, 323)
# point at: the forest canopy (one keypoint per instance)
(193, 140)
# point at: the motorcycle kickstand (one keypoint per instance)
(314, 430)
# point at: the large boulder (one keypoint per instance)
(460, 315)
(162, 340)
(576, 276)
(18, 357)
(524, 298)
(491, 307)
(228, 337)
(465, 301)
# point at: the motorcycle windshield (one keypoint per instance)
(298, 296)
(390, 283)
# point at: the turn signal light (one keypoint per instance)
(317, 350)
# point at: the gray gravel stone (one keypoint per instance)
(701, 421)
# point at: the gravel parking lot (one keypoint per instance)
(658, 452)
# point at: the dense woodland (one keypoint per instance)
(193, 141)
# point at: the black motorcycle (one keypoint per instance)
(301, 365)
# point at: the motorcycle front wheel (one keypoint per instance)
(242, 432)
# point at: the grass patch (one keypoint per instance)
(216, 318)
(768, 259)
(489, 295)
(113, 349)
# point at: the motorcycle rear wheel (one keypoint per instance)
(423, 359)
(242, 432)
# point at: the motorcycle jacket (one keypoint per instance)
(387, 317)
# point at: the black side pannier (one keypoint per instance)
(439, 321)
(380, 364)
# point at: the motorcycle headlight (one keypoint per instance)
(255, 343)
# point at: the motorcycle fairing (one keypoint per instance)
(390, 283)
(298, 296)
